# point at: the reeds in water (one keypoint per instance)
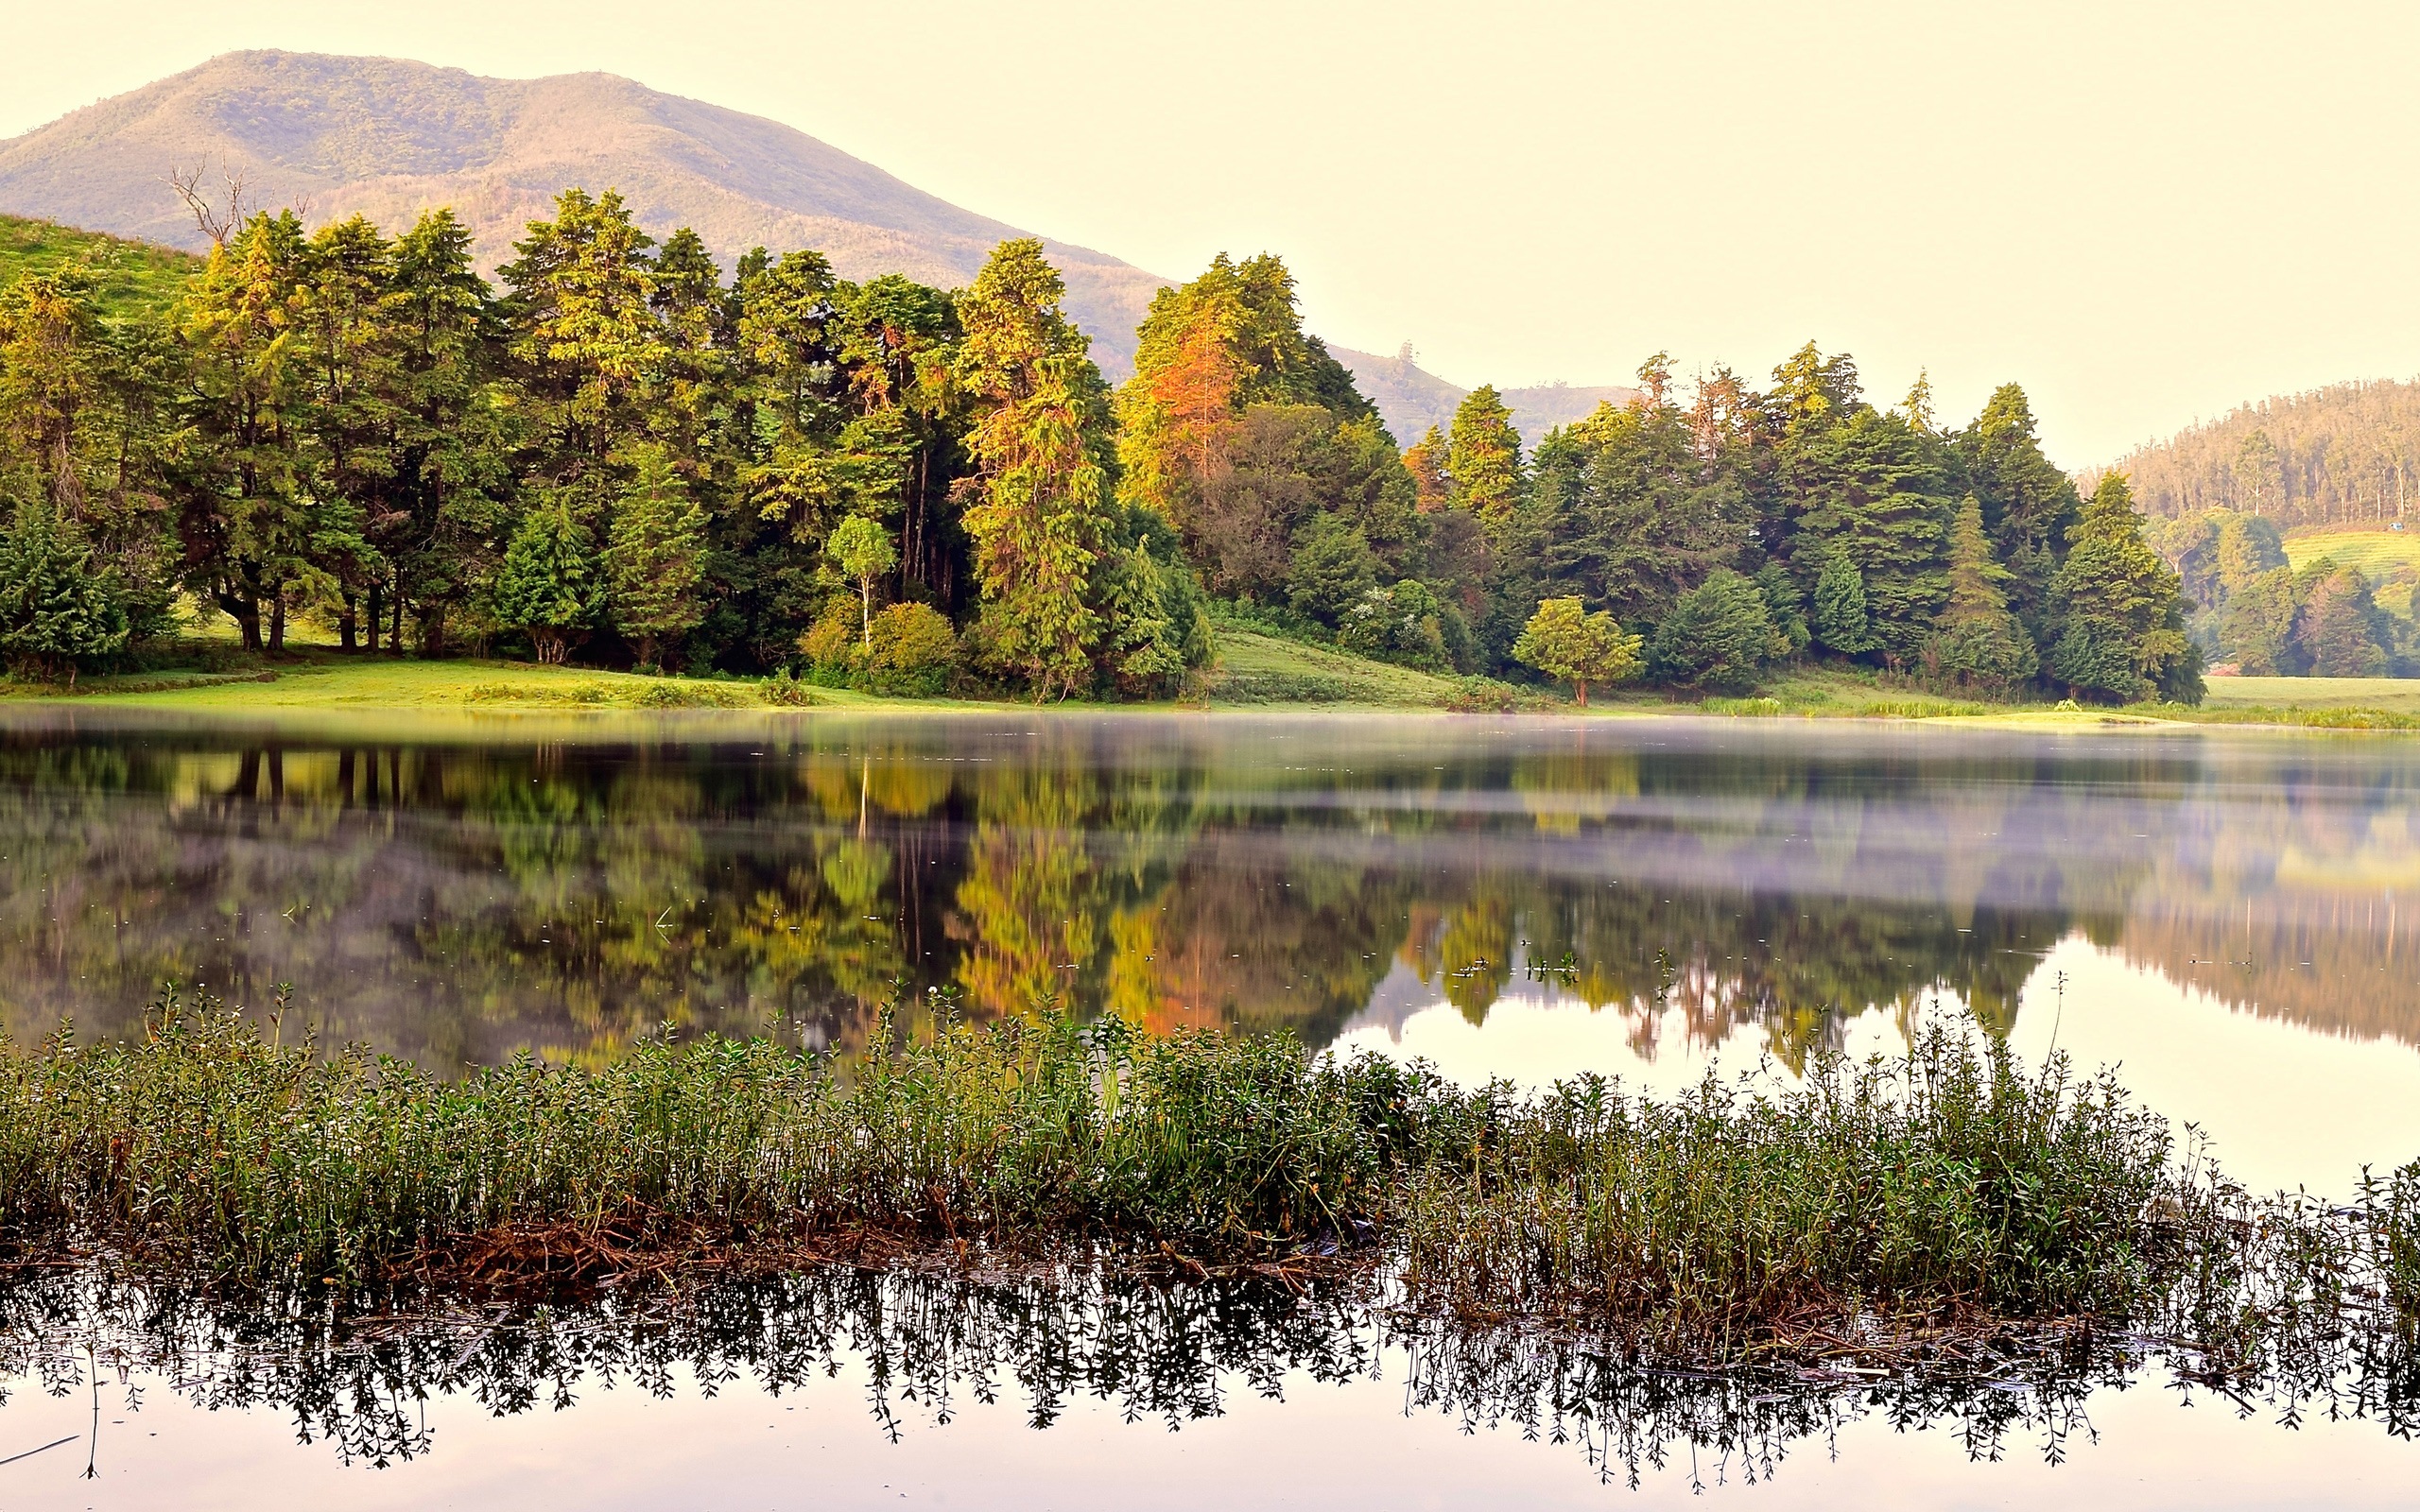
(1949, 1189)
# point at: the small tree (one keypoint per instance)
(549, 585)
(56, 613)
(1841, 623)
(862, 549)
(1561, 640)
(656, 558)
(1717, 635)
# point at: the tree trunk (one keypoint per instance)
(1582, 683)
(245, 612)
(348, 624)
(395, 639)
(277, 625)
(377, 607)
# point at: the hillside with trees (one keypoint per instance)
(2345, 456)
(619, 455)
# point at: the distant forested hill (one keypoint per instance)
(2342, 455)
(130, 275)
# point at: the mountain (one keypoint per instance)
(1412, 400)
(389, 138)
(2347, 454)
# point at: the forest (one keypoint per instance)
(622, 454)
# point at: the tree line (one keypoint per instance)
(621, 454)
(2347, 454)
(2257, 612)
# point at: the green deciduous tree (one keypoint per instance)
(863, 552)
(1564, 641)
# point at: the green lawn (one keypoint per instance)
(1256, 670)
(2393, 694)
(135, 276)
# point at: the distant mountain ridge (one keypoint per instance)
(389, 137)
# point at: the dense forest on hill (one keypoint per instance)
(2342, 455)
(627, 455)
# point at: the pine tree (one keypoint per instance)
(57, 615)
(655, 556)
(549, 585)
(1840, 622)
(2029, 504)
(1039, 441)
(2121, 608)
(1484, 456)
(1977, 641)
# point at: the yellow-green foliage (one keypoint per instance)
(132, 277)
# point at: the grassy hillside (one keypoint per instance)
(2377, 553)
(135, 276)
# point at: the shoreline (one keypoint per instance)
(499, 695)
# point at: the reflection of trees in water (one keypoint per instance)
(454, 904)
(1168, 1355)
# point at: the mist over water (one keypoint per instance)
(2227, 917)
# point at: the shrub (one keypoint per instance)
(915, 651)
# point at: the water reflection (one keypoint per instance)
(925, 1347)
(455, 899)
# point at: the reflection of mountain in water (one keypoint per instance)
(455, 902)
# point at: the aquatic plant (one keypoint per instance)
(1884, 1209)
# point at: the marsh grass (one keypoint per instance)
(1873, 1208)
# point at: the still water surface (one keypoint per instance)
(2228, 917)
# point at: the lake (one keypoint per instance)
(2225, 915)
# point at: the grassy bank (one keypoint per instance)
(1254, 672)
(1951, 1190)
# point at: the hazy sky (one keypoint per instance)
(2145, 214)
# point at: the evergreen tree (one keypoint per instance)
(57, 615)
(1718, 635)
(549, 585)
(245, 505)
(654, 557)
(2120, 608)
(585, 331)
(2029, 504)
(1840, 622)
(1786, 607)
(447, 522)
(1484, 458)
(2342, 631)
(1331, 570)
(1979, 643)
(1039, 440)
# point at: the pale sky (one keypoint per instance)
(2145, 214)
